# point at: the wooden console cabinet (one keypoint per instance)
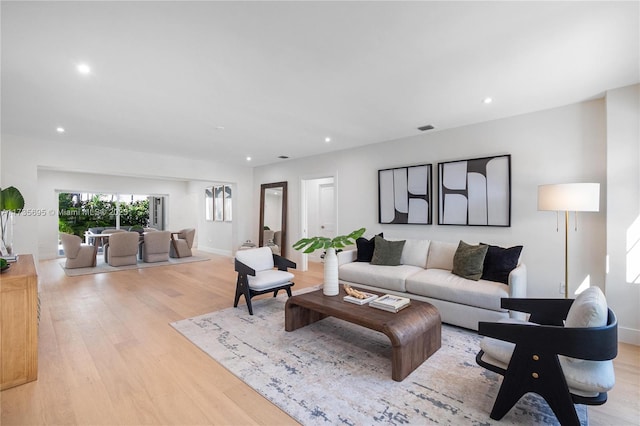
(19, 323)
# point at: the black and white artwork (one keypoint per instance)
(228, 203)
(218, 202)
(404, 195)
(475, 192)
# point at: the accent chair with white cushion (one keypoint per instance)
(78, 255)
(563, 353)
(256, 274)
(123, 248)
(155, 246)
(181, 243)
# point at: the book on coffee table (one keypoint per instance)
(369, 297)
(390, 302)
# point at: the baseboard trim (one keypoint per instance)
(629, 335)
(213, 250)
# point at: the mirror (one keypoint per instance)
(273, 216)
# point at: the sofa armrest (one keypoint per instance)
(347, 256)
(518, 288)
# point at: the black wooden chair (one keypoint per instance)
(566, 363)
(256, 274)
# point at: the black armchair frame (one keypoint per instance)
(534, 365)
(242, 284)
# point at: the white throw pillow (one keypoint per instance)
(441, 255)
(414, 252)
(588, 310)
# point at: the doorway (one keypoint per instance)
(319, 213)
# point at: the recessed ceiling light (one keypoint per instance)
(219, 127)
(83, 69)
(60, 129)
(248, 158)
(327, 139)
(487, 100)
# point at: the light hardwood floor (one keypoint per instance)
(108, 356)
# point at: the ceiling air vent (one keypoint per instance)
(427, 127)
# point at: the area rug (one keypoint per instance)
(102, 267)
(333, 372)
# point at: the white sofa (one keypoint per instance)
(425, 274)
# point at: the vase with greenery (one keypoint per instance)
(309, 245)
(11, 202)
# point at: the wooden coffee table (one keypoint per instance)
(415, 331)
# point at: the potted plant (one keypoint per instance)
(11, 201)
(309, 245)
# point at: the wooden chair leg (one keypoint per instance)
(242, 288)
(542, 376)
(288, 291)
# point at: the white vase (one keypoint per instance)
(330, 287)
(6, 232)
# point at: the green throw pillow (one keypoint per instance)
(387, 252)
(469, 260)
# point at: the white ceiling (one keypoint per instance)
(282, 76)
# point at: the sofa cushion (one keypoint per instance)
(389, 277)
(499, 262)
(444, 285)
(365, 248)
(468, 260)
(441, 255)
(387, 252)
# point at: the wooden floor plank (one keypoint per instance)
(107, 354)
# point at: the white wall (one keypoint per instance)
(24, 160)
(216, 236)
(567, 144)
(623, 209)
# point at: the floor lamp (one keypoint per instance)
(569, 197)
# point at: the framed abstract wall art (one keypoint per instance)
(404, 195)
(475, 192)
(208, 204)
(228, 203)
(218, 202)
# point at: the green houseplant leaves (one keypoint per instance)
(11, 200)
(309, 245)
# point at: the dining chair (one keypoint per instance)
(181, 243)
(123, 248)
(155, 246)
(78, 255)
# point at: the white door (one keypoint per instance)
(326, 206)
(318, 213)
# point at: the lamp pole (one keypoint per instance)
(566, 254)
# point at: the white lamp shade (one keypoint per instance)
(574, 197)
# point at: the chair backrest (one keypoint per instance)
(123, 243)
(70, 244)
(188, 234)
(157, 240)
(259, 259)
(267, 235)
(112, 231)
